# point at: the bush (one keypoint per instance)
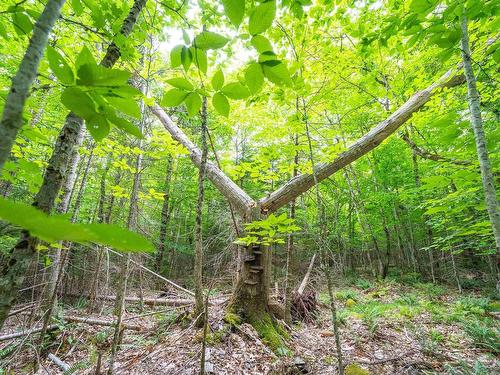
(363, 284)
(347, 294)
(483, 336)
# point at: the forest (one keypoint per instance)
(249, 187)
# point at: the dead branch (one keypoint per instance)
(61, 364)
(431, 155)
(15, 335)
(100, 322)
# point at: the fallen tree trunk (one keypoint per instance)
(15, 335)
(169, 282)
(152, 301)
(300, 184)
(62, 365)
(100, 322)
(236, 196)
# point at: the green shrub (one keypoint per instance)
(430, 289)
(411, 278)
(347, 294)
(363, 284)
(471, 305)
(483, 335)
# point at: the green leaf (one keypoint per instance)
(22, 23)
(236, 91)
(186, 58)
(111, 77)
(176, 56)
(276, 72)
(262, 17)
(420, 6)
(55, 228)
(60, 67)
(267, 56)
(125, 105)
(124, 124)
(254, 77)
(85, 57)
(218, 80)
(3, 32)
(174, 97)
(79, 102)
(221, 104)
(181, 83)
(77, 7)
(209, 40)
(200, 59)
(119, 238)
(234, 10)
(193, 103)
(261, 44)
(98, 126)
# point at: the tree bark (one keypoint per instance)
(20, 257)
(12, 117)
(228, 188)
(480, 138)
(295, 187)
(198, 231)
(165, 215)
(125, 262)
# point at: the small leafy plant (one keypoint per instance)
(268, 231)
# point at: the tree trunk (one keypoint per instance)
(13, 271)
(480, 138)
(165, 215)
(12, 117)
(125, 262)
(198, 231)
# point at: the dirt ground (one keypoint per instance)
(389, 341)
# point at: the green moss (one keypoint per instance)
(232, 318)
(354, 369)
(272, 334)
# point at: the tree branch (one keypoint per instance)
(430, 155)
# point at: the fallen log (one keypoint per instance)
(15, 335)
(62, 365)
(152, 301)
(100, 322)
(169, 282)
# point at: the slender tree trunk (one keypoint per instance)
(20, 257)
(100, 249)
(165, 215)
(198, 257)
(290, 256)
(12, 117)
(480, 138)
(125, 261)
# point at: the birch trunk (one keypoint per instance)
(12, 117)
(20, 257)
(480, 138)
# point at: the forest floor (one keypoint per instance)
(386, 328)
